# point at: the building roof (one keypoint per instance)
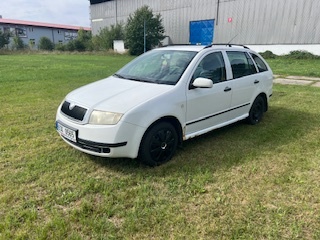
(98, 1)
(40, 24)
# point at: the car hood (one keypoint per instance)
(115, 94)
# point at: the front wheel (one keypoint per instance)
(159, 144)
(256, 111)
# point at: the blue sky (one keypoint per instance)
(68, 12)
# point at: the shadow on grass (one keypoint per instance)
(226, 147)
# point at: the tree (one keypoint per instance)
(83, 41)
(46, 44)
(142, 21)
(4, 39)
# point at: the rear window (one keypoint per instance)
(260, 64)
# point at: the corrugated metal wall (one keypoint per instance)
(176, 14)
(269, 22)
(247, 21)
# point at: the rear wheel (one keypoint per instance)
(256, 111)
(159, 144)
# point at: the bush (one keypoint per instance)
(70, 46)
(18, 44)
(60, 47)
(82, 43)
(79, 45)
(268, 55)
(301, 54)
(4, 39)
(75, 45)
(46, 44)
(135, 30)
(104, 40)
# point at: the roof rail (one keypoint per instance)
(177, 44)
(226, 44)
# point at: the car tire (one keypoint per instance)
(256, 111)
(159, 144)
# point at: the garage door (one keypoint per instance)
(201, 32)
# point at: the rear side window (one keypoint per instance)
(260, 64)
(241, 64)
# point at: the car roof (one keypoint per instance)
(198, 48)
(194, 48)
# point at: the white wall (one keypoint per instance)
(285, 49)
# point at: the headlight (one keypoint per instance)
(104, 118)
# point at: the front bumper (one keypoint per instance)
(114, 141)
(99, 148)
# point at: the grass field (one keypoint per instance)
(240, 182)
(295, 67)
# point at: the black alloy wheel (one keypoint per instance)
(159, 144)
(256, 111)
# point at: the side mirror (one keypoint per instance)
(202, 83)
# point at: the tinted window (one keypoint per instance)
(260, 64)
(241, 64)
(212, 67)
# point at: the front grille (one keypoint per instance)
(76, 112)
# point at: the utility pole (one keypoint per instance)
(116, 12)
(218, 6)
(144, 36)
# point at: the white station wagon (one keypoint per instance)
(164, 97)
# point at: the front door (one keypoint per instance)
(207, 108)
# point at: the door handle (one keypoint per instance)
(256, 81)
(227, 89)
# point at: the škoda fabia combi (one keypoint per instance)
(164, 97)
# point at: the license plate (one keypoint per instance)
(67, 132)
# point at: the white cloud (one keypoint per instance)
(69, 12)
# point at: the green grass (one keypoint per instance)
(286, 66)
(240, 182)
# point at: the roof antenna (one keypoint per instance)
(232, 39)
(228, 44)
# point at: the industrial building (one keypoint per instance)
(277, 25)
(31, 32)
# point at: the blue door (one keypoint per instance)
(201, 32)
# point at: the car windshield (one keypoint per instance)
(158, 66)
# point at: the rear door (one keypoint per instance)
(265, 75)
(245, 83)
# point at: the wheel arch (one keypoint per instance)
(265, 99)
(147, 157)
(170, 119)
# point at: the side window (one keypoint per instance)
(241, 64)
(260, 64)
(212, 67)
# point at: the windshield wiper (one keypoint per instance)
(119, 76)
(140, 80)
(133, 78)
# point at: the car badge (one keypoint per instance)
(71, 106)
